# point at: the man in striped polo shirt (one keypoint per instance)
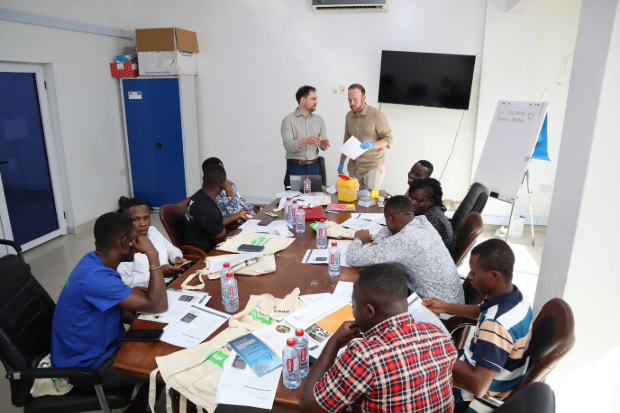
(495, 359)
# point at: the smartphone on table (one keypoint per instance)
(143, 335)
(250, 248)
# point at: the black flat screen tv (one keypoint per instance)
(426, 79)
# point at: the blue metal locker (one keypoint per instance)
(155, 139)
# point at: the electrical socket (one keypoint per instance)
(342, 89)
(123, 172)
(546, 188)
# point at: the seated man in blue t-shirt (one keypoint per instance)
(495, 359)
(87, 330)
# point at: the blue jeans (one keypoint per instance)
(294, 169)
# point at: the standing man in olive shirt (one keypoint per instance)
(370, 126)
(303, 133)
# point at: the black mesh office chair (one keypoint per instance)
(26, 313)
(537, 397)
(474, 201)
(321, 161)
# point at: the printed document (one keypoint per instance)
(193, 326)
(178, 302)
(307, 201)
(352, 149)
(237, 378)
(252, 226)
(377, 218)
(344, 291)
(317, 256)
(359, 224)
(422, 314)
(218, 263)
(311, 298)
(261, 358)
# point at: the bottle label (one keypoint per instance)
(303, 355)
(334, 259)
(307, 185)
(300, 218)
(322, 232)
(287, 209)
(290, 365)
(230, 293)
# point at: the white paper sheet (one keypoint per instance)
(352, 149)
(317, 256)
(344, 291)
(252, 226)
(218, 263)
(377, 218)
(422, 314)
(361, 224)
(305, 317)
(178, 302)
(287, 194)
(311, 298)
(193, 326)
(256, 392)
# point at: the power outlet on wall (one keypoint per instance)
(342, 89)
(546, 188)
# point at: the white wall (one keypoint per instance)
(580, 261)
(87, 97)
(527, 54)
(254, 56)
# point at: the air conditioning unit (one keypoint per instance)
(349, 5)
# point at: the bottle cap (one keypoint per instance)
(226, 265)
(322, 219)
(334, 244)
(299, 332)
(229, 274)
(291, 342)
(295, 201)
(288, 199)
(307, 177)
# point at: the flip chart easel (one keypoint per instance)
(507, 153)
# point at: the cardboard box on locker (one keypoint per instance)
(169, 51)
(126, 69)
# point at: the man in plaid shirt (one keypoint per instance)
(391, 364)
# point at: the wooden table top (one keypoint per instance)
(138, 358)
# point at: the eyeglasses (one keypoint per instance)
(415, 201)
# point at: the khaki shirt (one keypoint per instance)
(297, 126)
(371, 125)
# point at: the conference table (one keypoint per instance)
(138, 358)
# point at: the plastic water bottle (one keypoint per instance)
(225, 270)
(307, 185)
(288, 206)
(300, 221)
(302, 348)
(333, 267)
(290, 365)
(294, 209)
(321, 235)
(230, 293)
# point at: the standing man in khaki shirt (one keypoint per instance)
(370, 126)
(303, 133)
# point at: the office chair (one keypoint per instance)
(321, 161)
(474, 201)
(536, 397)
(467, 235)
(173, 219)
(26, 313)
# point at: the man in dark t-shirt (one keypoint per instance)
(204, 224)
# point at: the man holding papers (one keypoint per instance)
(391, 363)
(370, 126)
(303, 133)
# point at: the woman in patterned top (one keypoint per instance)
(426, 196)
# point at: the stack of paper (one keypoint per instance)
(352, 149)
(193, 326)
(421, 314)
(358, 224)
(308, 200)
(377, 218)
(252, 226)
(321, 256)
(178, 303)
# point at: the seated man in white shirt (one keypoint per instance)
(136, 273)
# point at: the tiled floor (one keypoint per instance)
(52, 262)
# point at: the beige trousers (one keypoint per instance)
(372, 179)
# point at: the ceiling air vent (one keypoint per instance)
(349, 5)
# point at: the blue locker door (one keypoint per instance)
(166, 105)
(152, 110)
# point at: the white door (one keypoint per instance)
(31, 207)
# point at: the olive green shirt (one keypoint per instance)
(372, 125)
(297, 126)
